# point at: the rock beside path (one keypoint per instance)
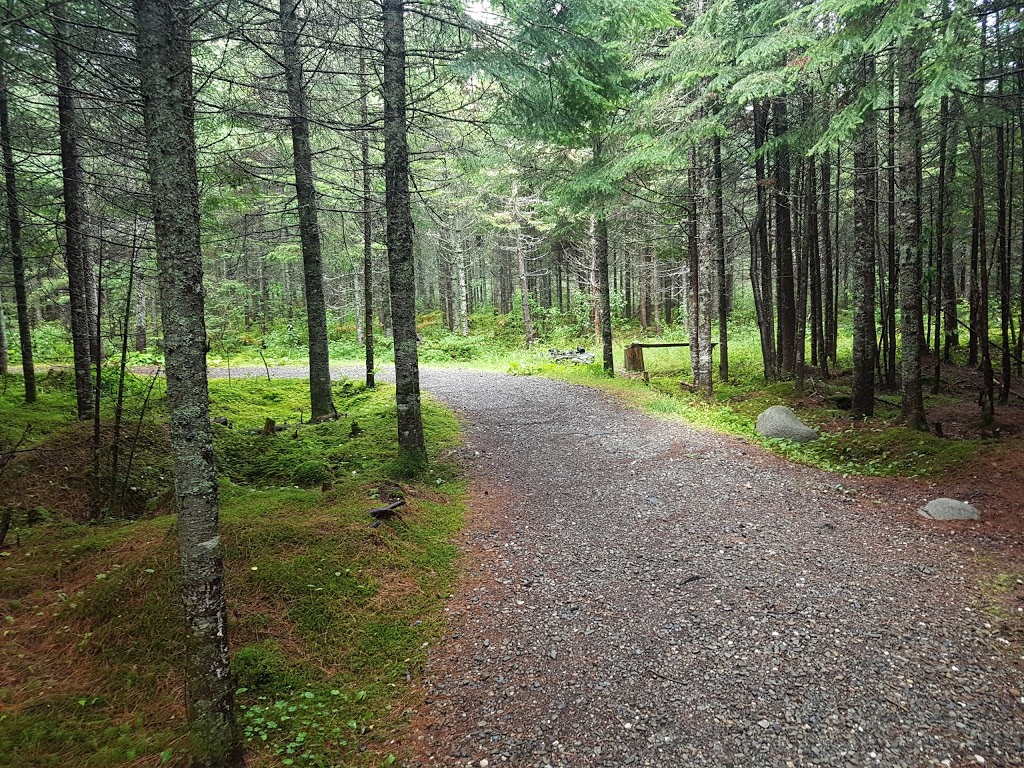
(949, 509)
(780, 421)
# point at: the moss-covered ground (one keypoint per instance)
(330, 619)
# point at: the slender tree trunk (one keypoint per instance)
(761, 277)
(74, 221)
(1003, 255)
(828, 277)
(399, 236)
(14, 240)
(784, 245)
(321, 401)
(601, 254)
(460, 272)
(5, 359)
(909, 226)
(367, 213)
(940, 240)
(705, 276)
(694, 180)
(950, 315)
(865, 192)
(723, 277)
(141, 340)
(165, 59)
(891, 282)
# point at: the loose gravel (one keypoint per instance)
(641, 593)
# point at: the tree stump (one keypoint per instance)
(634, 357)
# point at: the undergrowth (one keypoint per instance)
(329, 619)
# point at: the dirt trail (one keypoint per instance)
(645, 594)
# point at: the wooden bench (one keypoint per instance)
(635, 352)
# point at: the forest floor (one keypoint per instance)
(641, 592)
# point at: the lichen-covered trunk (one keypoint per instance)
(909, 239)
(705, 276)
(399, 239)
(165, 72)
(74, 222)
(693, 265)
(524, 286)
(460, 274)
(865, 192)
(14, 241)
(321, 402)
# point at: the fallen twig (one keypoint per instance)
(380, 514)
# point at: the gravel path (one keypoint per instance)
(645, 594)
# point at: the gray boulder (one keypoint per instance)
(949, 509)
(780, 421)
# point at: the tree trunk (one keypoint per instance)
(784, 246)
(950, 316)
(460, 273)
(412, 448)
(865, 192)
(367, 213)
(761, 264)
(940, 240)
(724, 296)
(909, 233)
(74, 221)
(605, 294)
(165, 61)
(14, 239)
(830, 329)
(1003, 254)
(705, 276)
(321, 401)
(891, 282)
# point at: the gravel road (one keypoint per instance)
(640, 593)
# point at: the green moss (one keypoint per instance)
(310, 586)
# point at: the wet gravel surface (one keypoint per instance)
(645, 594)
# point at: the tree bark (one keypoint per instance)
(830, 329)
(705, 276)
(865, 184)
(74, 221)
(14, 239)
(605, 304)
(367, 213)
(321, 401)
(723, 277)
(412, 448)
(761, 264)
(784, 246)
(165, 62)
(909, 234)
(460, 273)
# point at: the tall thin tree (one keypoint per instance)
(165, 71)
(321, 402)
(411, 445)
